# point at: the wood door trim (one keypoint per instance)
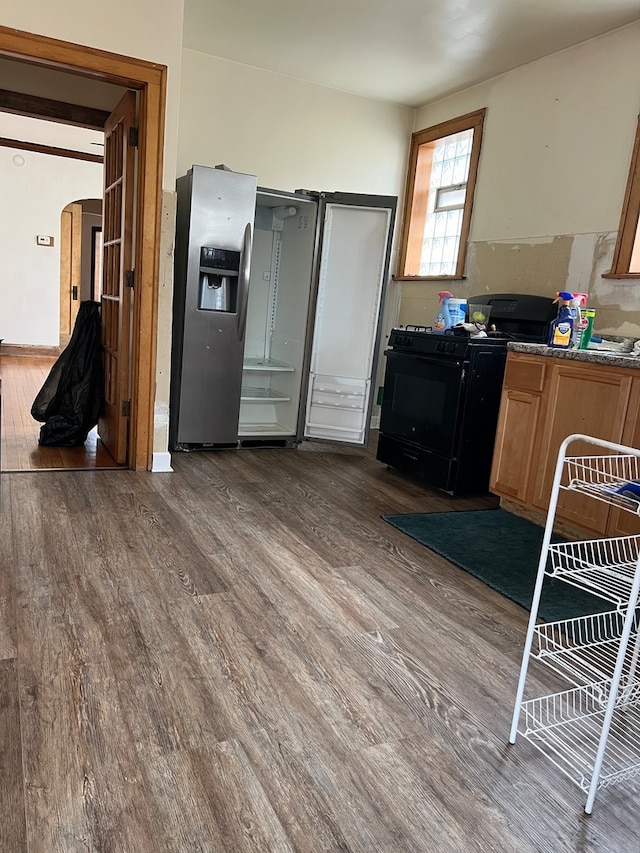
(150, 80)
(21, 145)
(36, 107)
(65, 274)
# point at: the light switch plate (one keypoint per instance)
(44, 240)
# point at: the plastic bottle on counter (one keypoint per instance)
(443, 317)
(579, 299)
(457, 310)
(585, 325)
(561, 328)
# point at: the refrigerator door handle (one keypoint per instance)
(243, 282)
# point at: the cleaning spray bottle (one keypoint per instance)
(579, 299)
(584, 327)
(443, 317)
(560, 329)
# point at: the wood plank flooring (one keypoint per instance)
(22, 377)
(241, 657)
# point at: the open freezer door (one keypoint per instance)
(353, 265)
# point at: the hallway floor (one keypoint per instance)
(22, 377)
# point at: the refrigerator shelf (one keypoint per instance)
(251, 430)
(266, 364)
(259, 395)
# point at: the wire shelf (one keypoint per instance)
(591, 731)
(604, 567)
(605, 478)
(585, 649)
(566, 727)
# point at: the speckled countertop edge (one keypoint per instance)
(591, 356)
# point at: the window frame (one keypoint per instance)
(629, 219)
(417, 186)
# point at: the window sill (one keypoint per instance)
(622, 275)
(428, 278)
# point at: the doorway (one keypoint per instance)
(148, 80)
(80, 260)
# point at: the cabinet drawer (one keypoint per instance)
(525, 374)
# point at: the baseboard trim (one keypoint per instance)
(28, 350)
(161, 462)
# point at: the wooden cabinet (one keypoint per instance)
(544, 400)
(517, 427)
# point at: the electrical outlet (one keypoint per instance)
(44, 240)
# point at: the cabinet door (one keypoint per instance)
(518, 425)
(582, 400)
(621, 521)
(519, 413)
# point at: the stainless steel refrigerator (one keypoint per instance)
(277, 312)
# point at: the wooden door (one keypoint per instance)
(70, 269)
(521, 412)
(589, 400)
(117, 272)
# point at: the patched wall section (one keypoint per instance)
(541, 266)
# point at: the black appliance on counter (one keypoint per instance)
(442, 393)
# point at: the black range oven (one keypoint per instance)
(442, 394)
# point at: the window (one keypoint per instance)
(626, 256)
(442, 174)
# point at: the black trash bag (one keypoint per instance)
(70, 401)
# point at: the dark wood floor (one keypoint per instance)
(242, 656)
(22, 378)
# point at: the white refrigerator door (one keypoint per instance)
(351, 282)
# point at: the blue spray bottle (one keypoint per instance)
(561, 328)
(443, 317)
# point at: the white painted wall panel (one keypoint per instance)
(34, 195)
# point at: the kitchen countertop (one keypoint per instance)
(591, 356)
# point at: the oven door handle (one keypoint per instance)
(454, 363)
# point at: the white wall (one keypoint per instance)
(554, 164)
(34, 195)
(289, 133)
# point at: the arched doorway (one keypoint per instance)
(80, 259)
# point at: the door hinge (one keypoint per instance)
(129, 277)
(126, 408)
(133, 137)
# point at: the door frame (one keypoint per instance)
(149, 79)
(70, 268)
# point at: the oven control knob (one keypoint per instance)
(440, 346)
(451, 347)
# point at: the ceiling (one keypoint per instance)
(407, 52)
(404, 51)
(29, 79)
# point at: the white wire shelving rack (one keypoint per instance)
(591, 730)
